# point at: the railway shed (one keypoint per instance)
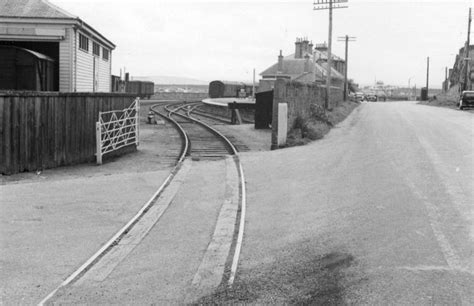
(81, 56)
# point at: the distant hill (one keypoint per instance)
(170, 80)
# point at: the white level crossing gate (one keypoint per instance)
(117, 129)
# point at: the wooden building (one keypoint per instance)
(81, 56)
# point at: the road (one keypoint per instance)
(381, 211)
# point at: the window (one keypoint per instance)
(105, 54)
(83, 42)
(95, 48)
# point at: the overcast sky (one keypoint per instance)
(223, 39)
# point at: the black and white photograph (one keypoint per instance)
(223, 152)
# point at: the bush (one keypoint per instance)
(318, 124)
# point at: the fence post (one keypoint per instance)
(98, 137)
(137, 122)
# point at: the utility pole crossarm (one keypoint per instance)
(329, 4)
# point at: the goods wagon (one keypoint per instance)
(225, 89)
(24, 69)
(140, 88)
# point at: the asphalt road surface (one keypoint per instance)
(381, 211)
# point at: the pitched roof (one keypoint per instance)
(33, 9)
(43, 9)
(334, 73)
(308, 77)
(294, 68)
(291, 67)
(318, 54)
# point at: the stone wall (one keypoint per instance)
(302, 100)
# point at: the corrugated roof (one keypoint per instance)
(32, 9)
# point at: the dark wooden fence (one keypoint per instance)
(51, 129)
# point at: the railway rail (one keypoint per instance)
(201, 145)
(199, 141)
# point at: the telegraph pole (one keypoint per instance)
(347, 39)
(328, 5)
(427, 74)
(446, 85)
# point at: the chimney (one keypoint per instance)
(306, 63)
(280, 63)
(298, 48)
(304, 47)
(321, 47)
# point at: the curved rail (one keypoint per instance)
(243, 203)
(125, 229)
(185, 146)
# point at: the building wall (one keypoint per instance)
(66, 54)
(303, 100)
(85, 68)
(104, 73)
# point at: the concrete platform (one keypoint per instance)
(225, 101)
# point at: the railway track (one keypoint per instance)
(205, 143)
(216, 120)
(200, 142)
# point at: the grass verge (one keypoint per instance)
(441, 101)
(318, 124)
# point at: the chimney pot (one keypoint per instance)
(306, 63)
(280, 62)
(298, 51)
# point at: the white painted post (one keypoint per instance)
(137, 122)
(282, 123)
(98, 141)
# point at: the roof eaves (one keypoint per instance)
(88, 28)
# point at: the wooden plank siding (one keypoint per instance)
(66, 47)
(84, 70)
(47, 130)
(105, 78)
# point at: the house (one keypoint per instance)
(81, 56)
(457, 75)
(306, 65)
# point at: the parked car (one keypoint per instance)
(359, 96)
(466, 99)
(371, 97)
